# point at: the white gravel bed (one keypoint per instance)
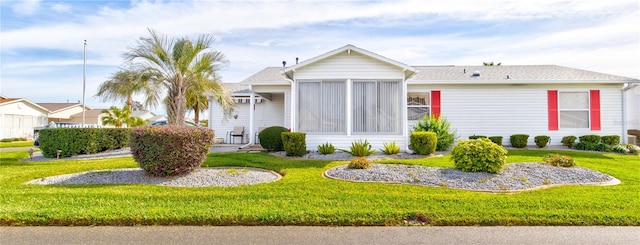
(202, 177)
(514, 177)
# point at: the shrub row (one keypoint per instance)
(170, 150)
(74, 141)
(6, 140)
(592, 142)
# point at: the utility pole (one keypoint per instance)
(84, 80)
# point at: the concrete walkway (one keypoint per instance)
(319, 235)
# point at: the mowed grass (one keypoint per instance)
(16, 144)
(304, 197)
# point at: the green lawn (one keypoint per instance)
(304, 197)
(16, 144)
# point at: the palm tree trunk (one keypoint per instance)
(176, 107)
(196, 114)
(130, 102)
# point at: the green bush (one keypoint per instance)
(611, 139)
(590, 138)
(585, 146)
(475, 137)
(170, 150)
(360, 148)
(359, 163)
(519, 140)
(6, 140)
(271, 138)
(423, 143)
(294, 143)
(390, 148)
(74, 141)
(479, 155)
(559, 160)
(441, 127)
(604, 147)
(568, 141)
(496, 140)
(20, 139)
(541, 140)
(326, 148)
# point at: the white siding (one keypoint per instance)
(353, 66)
(344, 142)
(269, 113)
(633, 108)
(19, 119)
(503, 110)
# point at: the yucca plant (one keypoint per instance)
(360, 148)
(326, 148)
(441, 127)
(390, 148)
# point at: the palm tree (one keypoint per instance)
(116, 116)
(176, 66)
(122, 85)
(491, 63)
(197, 98)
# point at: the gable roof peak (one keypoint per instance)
(410, 70)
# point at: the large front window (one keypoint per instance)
(376, 106)
(322, 106)
(574, 109)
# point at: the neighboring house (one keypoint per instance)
(144, 115)
(19, 116)
(68, 112)
(350, 93)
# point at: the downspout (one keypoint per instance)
(252, 104)
(624, 90)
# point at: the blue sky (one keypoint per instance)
(42, 41)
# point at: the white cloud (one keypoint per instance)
(26, 7)
(61, 8)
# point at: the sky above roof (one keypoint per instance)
(42, 41)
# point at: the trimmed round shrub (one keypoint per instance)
(170, 150)
(590, 138)
(519, 140)
(479, 155)
(271, 138)
(475, 137)
(496, 139)
(541, 140)
(611, 139)
(568, 140)
(359, 163)
(423, 143)
(604, 147)
(294, 143)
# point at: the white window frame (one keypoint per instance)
(560, 109)
(427, 106)
(298, 112)
(378, 124)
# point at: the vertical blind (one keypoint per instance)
(377, 106)
(322, 106)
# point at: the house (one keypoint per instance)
(68, 112)
(19, 116)
(350, 93)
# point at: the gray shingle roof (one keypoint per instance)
(522, 73)
(269, 75)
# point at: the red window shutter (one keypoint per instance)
(435, 103)
(552, 101)
(594, 109)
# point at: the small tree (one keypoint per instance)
(120, 117)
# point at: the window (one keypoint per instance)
(418, 105)
(573, 108)
(377, 106)
(322, 106)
